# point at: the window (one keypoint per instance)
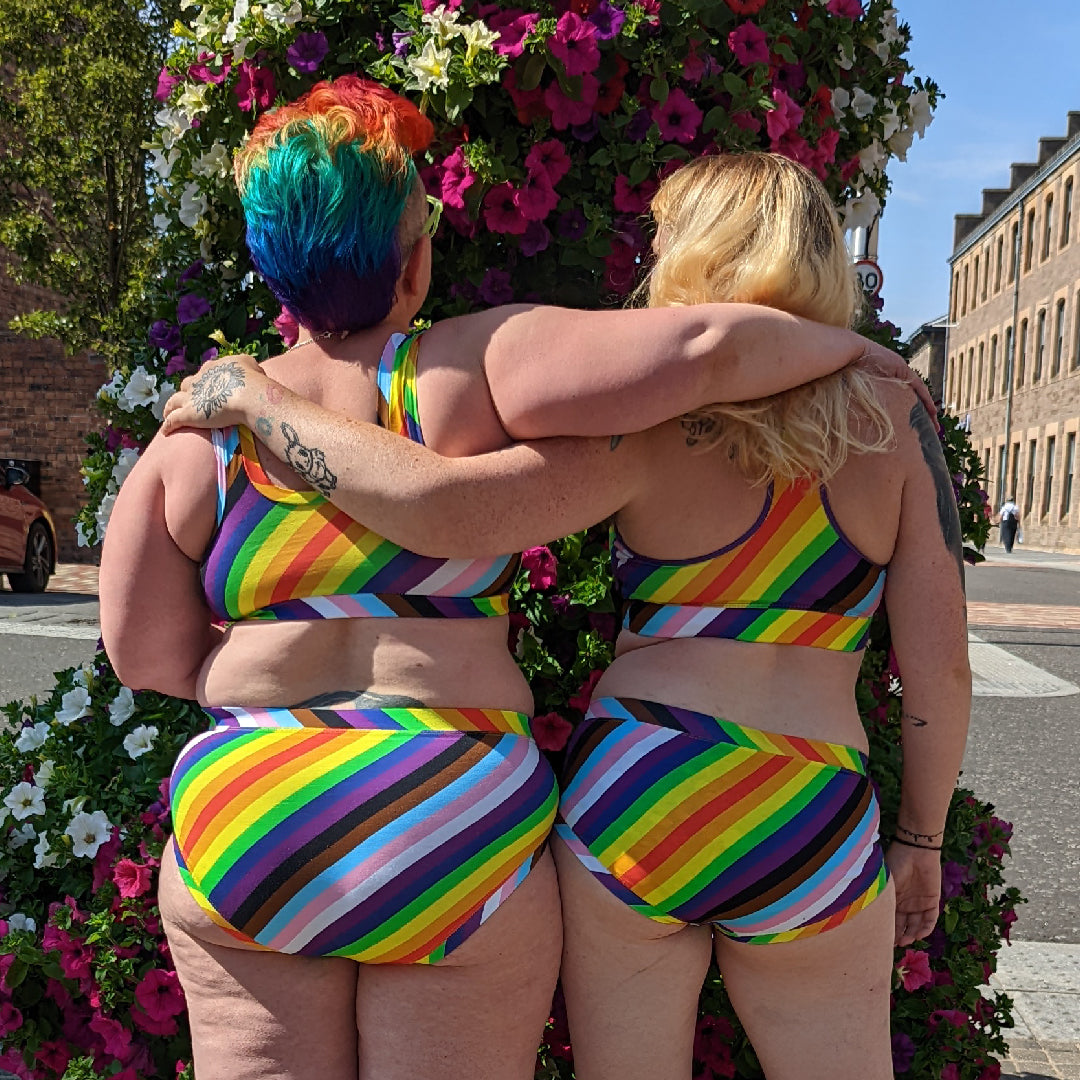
(1002, 496)
(1029, 240)
(1074, 362)
(998, 261)
(1066, 212)
(1048, 226)
(970, 372)
(1040, 342)
(1067, 479)
(979, 375)
(991, 375)
(1029, 482)
(955, 294)
(1048, 478)
(975, 283)
(1059, 336)
(1011, 493)
(964, 292)
(986, 467)
(1008, 358)
(1014, 248)
(1021, 360)
(986, 274)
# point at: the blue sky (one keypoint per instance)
(1010, 72)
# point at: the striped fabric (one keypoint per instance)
(792, 579)
(279, 553)
(385, 836)
(689, 818)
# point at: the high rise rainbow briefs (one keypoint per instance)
(381, 835)
(690, 818)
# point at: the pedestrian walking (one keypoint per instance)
(1009, 522)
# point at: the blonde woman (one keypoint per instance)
(715, 799)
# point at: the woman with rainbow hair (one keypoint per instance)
(360, 884)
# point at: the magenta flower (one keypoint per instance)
(430, 5)
(455, 178)
(633, 200)
(607, 20)
(565, 111)
(678, 118)
(176, 364)
(132, 878)
(956, 1018)
(165, 84)
(287, 326)
(951, 1071)
(550, 731)
(153, 1026)
(501, 211)
(496, 288)
(203, 71)
(581, 699)
(537, 237)
(914, 969)
(620, 267)
(549, 157)
(54, 1055)
(574, 43)
(10, 1018)
(749, 43)
(712, 1044)
(308, 51)
(847, 9)
(254, 88)
(513, 27)
(159, 994)
(191, 307)
(824, 154)
(536, 198)
(745, 121)
(114, 1035)
(541, 565)
(784, 118)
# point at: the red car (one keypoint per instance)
(27, 534)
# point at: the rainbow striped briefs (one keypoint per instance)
(381, 835)
(690, 818)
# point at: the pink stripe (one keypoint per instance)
(398, 845)
(464, 583)
(600, 770)
(675, 622)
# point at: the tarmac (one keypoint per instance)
(1042, 978)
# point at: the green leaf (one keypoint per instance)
(528, 75)
(714, 119)
(735, 86)
(639, 171)
(659, 90)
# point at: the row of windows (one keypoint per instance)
(1048, 485)
(982, 373)
(972, 281)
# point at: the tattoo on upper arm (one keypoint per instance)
(697, 428)
(934, 456)
(308, 462)
(615, 440)
(211, 390)
(264, 427)
(916, 721)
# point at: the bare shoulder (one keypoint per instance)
(185, 464)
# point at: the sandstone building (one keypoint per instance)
(1013, 347)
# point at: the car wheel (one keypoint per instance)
(38, 564)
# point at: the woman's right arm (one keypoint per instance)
(924, 598)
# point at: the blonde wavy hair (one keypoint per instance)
(759, 228)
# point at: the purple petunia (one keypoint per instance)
(496, 289)
(607, 19)
(401, 41)
(308, 51)
(536, 239)
(639, 125)
(191, 307)
(165, 335)
(903, 1052)
(572, 224)
(192, 272)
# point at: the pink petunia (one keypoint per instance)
(749, 43)
(287, 326)
(678, 118)
(54, 1055)
(824, 154)
(159, 994)
(541, 565)
(501, 211)
(529, 104)
(455, 178)
(633, 200)
(10, 1018)
(550, 731)
(254, 89)
(574, 43)
(513, 27)
(957, 1018)
(114, 1036)
(536, 198)
(205, 71)
(914, 969)
(549, 157)
(103, 860)
(166, 83)
(713, 1041)
(950, 1071)
(568, 112)
(132, 878)
(787, 116)
(143, 1022)
(12, 1061)
(581, 699)
(846, 9)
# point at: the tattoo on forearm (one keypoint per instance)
(274, 395)
(916, 721)
(211, 390)
(615, 440)
(697, 428)
(359, 699)
(264, 427)
(308, 462)
(934, 456)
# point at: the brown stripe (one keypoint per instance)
(503, 582)
(599, 729)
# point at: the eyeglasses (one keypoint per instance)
(431, 222)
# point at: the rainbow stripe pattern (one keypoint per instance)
(280, 553)
(792, 579)
(384, 836)
(690, 818)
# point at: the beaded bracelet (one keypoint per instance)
(920, 835)
(908, 843)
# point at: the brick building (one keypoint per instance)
(46, 409)
(1013, 347)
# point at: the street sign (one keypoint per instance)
(870, 276)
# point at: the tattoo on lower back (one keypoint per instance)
(212, 389)
(697, 428)
(359, 699)
(916, 721)
(934, 456)
(615, 440)
(308, 462)
(264, 427)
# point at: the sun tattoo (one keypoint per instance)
(212, 390)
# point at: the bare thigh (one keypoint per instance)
(818, 1009)
(257, 1015)
(632, 984)
(478, 1014)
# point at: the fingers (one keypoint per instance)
(912, 926)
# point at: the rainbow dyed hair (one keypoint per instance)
(324, 182)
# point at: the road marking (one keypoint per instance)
(1035, 616)
(997, 673)
(54, 630)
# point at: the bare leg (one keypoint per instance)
(818, 1009)
(479, 1014)
(631, 984)
(257, 1015)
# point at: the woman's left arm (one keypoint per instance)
(154, 619)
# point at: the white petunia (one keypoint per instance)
(113, 386)
(901, 142)
(443, 23)
(103, 513)
(43, 773)
(141, 389)
(30, 738)
(122, 707)
(477, 36)
(162, 222)
(281, 15)
(862, 103)
(19, 921)
(872, 159)
(921, 113)
(192, 100)
(25, 800)
(74, 806)
(841, 99)
(21, 836)
(193, 205)
(140, 741)
(81, 538)
(162, 163)
(125, 462)
(158, 408)
(431, 67)
(217, 161)
(861, 210)
(75, 704)
(891, 123)
(890, 31)
(88, 832)
(43, 856)
(174, 125)
(82, 673)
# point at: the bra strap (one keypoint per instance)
(225, 442)
(397, 386)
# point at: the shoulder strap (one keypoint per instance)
(397, 386)
(225, 442)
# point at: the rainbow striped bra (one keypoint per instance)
(279, 553)
(792, 579)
